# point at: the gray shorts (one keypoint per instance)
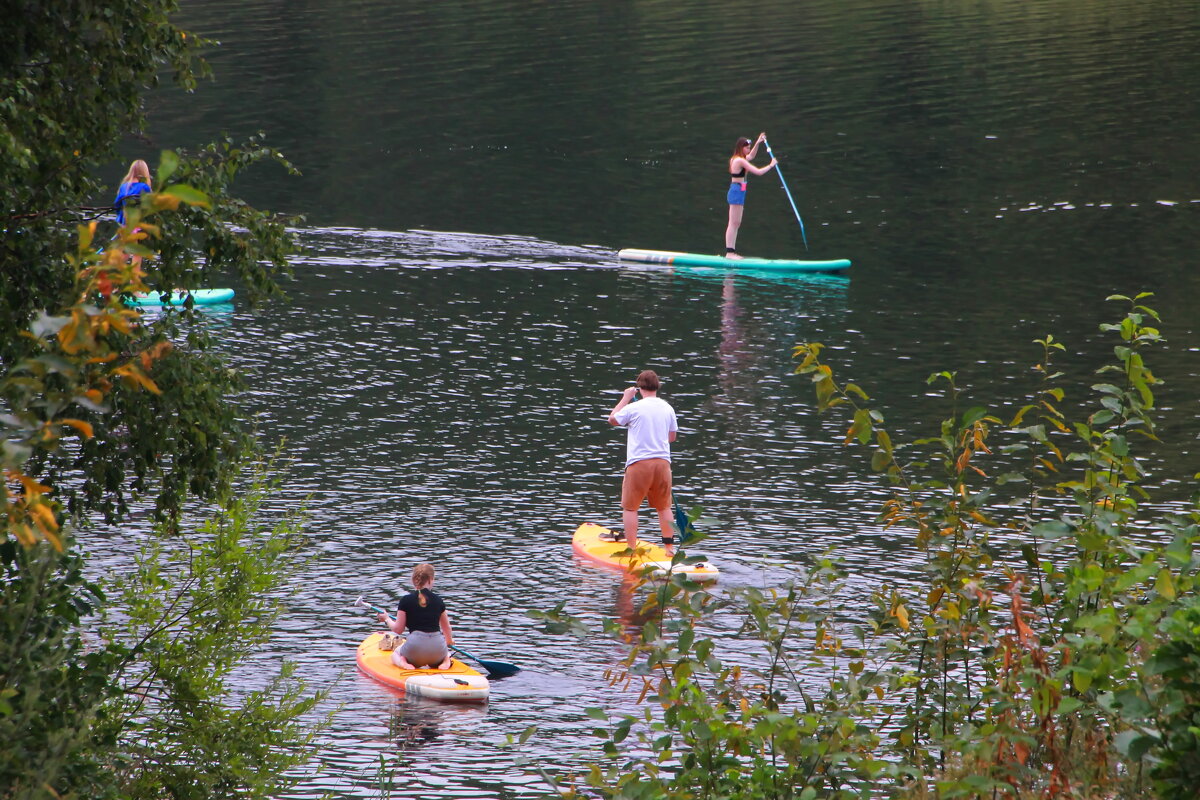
(423, 649)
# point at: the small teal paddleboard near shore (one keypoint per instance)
(720, 262)
(203, 297)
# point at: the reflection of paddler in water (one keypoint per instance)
(417, 721)
(414, 723)
(631, 615)
(735, 359)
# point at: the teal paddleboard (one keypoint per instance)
(202, 297)
(720, 262)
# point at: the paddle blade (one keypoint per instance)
(500, 669)
(361, 603)
(686, 529)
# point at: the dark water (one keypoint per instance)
(994, 170)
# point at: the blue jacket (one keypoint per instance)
(127, 190)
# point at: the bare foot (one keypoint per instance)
(447, 663)
(403, 663)
(734, 256)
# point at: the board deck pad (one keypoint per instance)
(459, 684)
(650, 557)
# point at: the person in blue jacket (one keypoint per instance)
(136, 181)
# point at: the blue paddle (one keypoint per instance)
(789, 194)
(686, 529)
(499, 668)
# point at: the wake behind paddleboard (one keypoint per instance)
(650, 558)
(700, 260)
(459, 684)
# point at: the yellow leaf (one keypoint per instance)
(975, 515)
(43, 517)
(54, 540)
(136, 377)
(24, 534)
(84, 428)
(902, 616)
(168, 201)
(31, 486)
(1165, 584)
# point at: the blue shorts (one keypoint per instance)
(736, 194)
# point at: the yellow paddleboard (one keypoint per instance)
(650, 557)
(459, 684)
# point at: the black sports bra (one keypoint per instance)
(741, 174)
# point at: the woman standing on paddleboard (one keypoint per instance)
(423, 613)
(739, 165)
(135, 182)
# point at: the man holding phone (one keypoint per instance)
(652, 427)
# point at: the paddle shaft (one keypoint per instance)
(788, 192)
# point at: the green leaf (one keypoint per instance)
(1165, 584)
(1052, 529)
(973, 415)
(854, 388)
(1133, 744)
(862, 426)
(168, 162)
(1068, 706)
(187, 194)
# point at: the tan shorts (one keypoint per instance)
(649, 478)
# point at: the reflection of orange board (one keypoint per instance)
(459, 684)
(652, 557)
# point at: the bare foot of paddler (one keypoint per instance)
(447, 663)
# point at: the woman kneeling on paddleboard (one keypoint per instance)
(739, 165)
(423, 613)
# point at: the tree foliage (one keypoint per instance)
(126, 691)
(1047, 648)
(74, 77)
(122, 689)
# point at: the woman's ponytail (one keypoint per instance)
(422, 576)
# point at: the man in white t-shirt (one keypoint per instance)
(652, 428)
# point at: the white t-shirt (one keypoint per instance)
(650, 421)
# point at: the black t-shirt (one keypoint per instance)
(422, 619)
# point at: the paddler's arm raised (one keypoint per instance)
(626, 397)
